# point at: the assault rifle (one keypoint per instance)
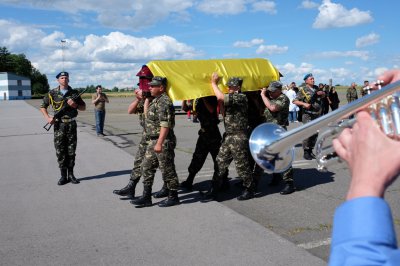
(61, 112)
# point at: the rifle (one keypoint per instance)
(61, 112)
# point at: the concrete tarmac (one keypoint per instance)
(45, 224)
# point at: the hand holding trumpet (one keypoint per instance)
(366, 149)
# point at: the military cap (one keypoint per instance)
(158, 81)
(274, 86)
(234, 82)
(62, 74)
(307, 76)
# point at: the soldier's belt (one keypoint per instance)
(66, 120)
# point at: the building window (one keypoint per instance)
(19, 82)
(19, 93)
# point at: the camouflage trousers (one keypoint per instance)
(136, 172)
(309, 143)
(208, 142)
(287, 176)
(234, 146)
(65, 141)
(163, 160)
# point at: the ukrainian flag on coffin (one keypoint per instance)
(191, 79)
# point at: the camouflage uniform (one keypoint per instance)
(65, 134)
(209, 140)
(235, 141)
(309, 95)
(351, 94)
(136, 172)
(161, 113)
(280, 118)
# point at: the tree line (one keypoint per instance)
(20, 65)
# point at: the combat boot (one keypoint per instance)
(128, 190)
(225, 183)
(276, 180)
(212, 193)
(248, 193)
(162, 193)
(63, 179)
(71, 176)
(289, 188)
(188, 183)
(171, 200)
(145, 199)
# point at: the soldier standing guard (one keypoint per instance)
(65, 134)
(160, 122)
(309, 99)
(235, 141)
(277, 111)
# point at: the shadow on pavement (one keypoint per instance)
(105, 175)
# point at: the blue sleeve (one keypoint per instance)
(363, 234)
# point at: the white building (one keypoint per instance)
(14, 87)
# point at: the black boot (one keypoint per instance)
(188, 183)
(71, 176)
(212, 193)
(63, 179)
(171, 200)
(276, 180)
(128, 190)
(289, 188)
(248, 193)
(145, 200)
(162, 193)
(225, 183)
(308, 155)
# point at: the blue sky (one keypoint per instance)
(106, 42)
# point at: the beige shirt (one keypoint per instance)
(100, 105)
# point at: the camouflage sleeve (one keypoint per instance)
(282, 103)
(165, 113)
(299, 97)
(45, 102)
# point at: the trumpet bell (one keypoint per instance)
(261, 137)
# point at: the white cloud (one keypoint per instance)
(265, 6)
(369, 39)
(245, 44)
(118, 14)
(231, 7)
(94, 57)
(271, 49)
(307, 4)
(364, 55)
(333, 15)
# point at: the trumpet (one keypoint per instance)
(272, 147)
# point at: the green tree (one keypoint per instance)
(20, 65)
(4, 59)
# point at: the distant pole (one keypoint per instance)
(330, 83)
(63, 42)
